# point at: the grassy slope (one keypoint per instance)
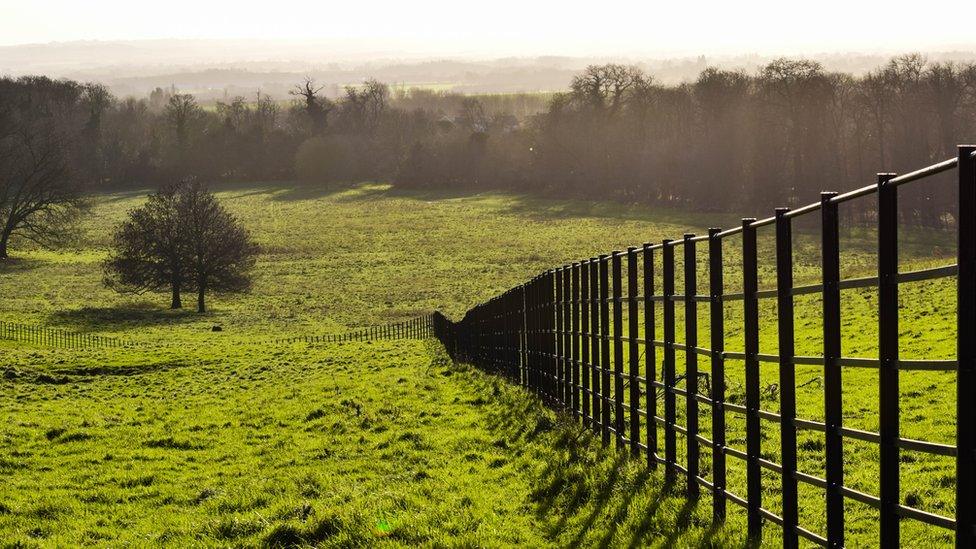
(336, 259)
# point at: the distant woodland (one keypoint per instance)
(730, 140)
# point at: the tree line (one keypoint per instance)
(728, 141)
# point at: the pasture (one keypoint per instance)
(215, 438)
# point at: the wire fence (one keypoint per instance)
(562, 335)
(41, 335)
(420, 327)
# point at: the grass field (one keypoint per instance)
(197, 437)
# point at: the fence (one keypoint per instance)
(562, 336)
(57, 338)
(415, 328)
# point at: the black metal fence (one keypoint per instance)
(562, 335)
(416, 328)
(52, 337)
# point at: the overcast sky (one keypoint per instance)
(514, 27)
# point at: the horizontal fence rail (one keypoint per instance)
(561, 335)
(42, 335)
(421, 327)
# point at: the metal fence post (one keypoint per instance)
(716, 316)
(618, 350)
(888, 359)
(966, 352)
(750, 287)
(670, 454)
(605, 390)
(585, 335)
(650, 356)
(557, 336)
(595, 342)
(691, 364)
(833, 406)
(633, 357)
(575, 361)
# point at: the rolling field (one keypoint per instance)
(197, 437)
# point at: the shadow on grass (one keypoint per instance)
(14, 265)
(585, 495)
(124, 317)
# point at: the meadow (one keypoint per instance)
(222, 438)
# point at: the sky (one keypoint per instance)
(513, 27)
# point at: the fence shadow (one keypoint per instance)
(587, 495)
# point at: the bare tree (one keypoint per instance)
(181, 111)
(364, 106)
(315, 108)
(604, 87)
(40, 194)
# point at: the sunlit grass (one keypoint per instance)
(220, 438)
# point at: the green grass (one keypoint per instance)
(203, 438)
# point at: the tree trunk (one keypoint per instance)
(5, 232)
(177, 303)
(201, 305)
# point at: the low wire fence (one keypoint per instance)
(41, 335)
(416, 328)
(562, 335)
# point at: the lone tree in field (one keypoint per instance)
(184, 240)
(148, 253)
(218, 251)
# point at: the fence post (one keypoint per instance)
(585, 335)
(533, 336)
(633, 356)
(618, 349)
(545, 292)
(716, 317)
(787, 375)
(670, 452)
(550, 319)
(567, 331)
(833, 411)
(888, 358)
(605, 348)
(575, 365)
(650, 355)
(595, 342)
(691, 364)
(966, 352)
(558, 356)
(750, 287)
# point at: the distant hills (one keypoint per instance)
(214, 69)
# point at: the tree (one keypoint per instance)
(148, 248)
(181, 111)
(183, 239)
(219, 253)
(314, 108)
(41, 195)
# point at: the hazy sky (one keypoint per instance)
(513, 27)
